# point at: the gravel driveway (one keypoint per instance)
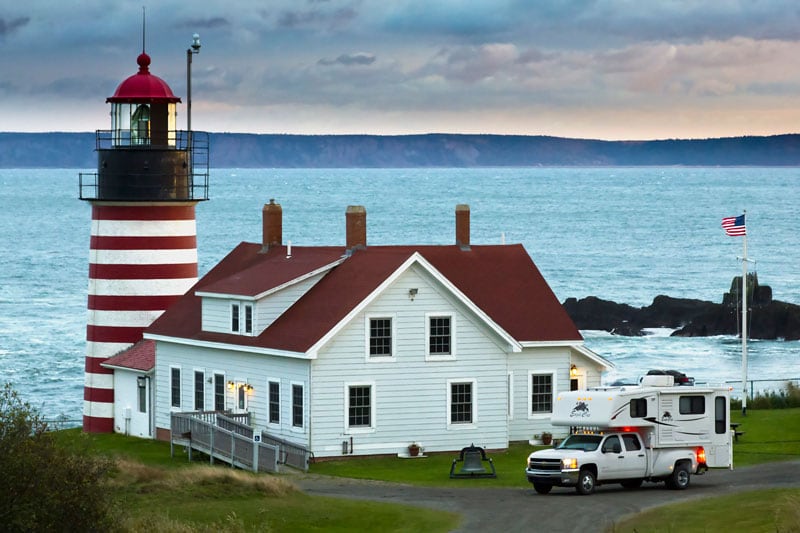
(521, 509)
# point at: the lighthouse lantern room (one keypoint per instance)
(143, 247)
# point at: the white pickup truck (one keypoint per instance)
(586, 460)
(654, 431)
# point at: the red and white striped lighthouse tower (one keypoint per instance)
(143, 249)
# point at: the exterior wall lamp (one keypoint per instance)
(573, 371)
(412, 293)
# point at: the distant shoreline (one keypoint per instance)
(247, 151)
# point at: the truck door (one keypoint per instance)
(635, 456)
(623, 461)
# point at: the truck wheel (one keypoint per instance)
(632, 483)
(680, 477)
(542, 488)
(586, 482)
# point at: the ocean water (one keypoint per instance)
(623, 234)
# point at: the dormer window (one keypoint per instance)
(242, 318)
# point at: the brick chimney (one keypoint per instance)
(356, 227)
(272, 220)
(462, 226)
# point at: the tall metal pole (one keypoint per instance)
(744, 326)
(193, 49)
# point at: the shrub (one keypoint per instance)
(47, 486)
(786, 398)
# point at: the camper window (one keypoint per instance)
(692, 405)
(638, 408)
(720, 422)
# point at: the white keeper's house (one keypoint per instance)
(361, 349)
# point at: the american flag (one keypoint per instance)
(734, 226)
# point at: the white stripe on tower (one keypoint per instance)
(142, 258)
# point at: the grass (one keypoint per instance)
(770, 435)
(174, 495)
(774, 511)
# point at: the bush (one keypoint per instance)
(783, 399)
(47, 485)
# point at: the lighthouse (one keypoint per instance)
(143, 246)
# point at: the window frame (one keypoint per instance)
(635, 407)
(440, 356)
(380, 358)
(175, 393)
(201, 389)
(294, 386)
(217, 395)
(554, 391)
(235, 318)
(270, 383)
(691, 408)
(473, 423)
(249, 319)
(347, 407)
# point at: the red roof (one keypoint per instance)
(143, 87)
(140, 356)
(501, 280)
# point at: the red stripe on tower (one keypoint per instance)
(143, 246)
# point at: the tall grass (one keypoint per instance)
(786, 398)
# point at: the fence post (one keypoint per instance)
(255, 455)
(213, 430)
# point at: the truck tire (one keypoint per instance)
(542, 488)
(680, 477)
(586, 482)
(632, 483)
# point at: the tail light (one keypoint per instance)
(701, 455)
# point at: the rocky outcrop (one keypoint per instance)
(767, 318)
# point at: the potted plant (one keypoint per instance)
(413, 449)
(547, 438)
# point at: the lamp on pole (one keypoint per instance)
(193, 49)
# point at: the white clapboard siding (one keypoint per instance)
(255, 369)
(272, 306)
(216, 312)
(536, 360)
(410, 392)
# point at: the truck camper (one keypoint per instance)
(654, 431)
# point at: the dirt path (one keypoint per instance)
(521, 509)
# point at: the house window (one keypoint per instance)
(541, 393)
(297, 406)
(274, 402)
(248, 318)
(461, 402)
(439, 335)
(638, 407)
(380, 337)
(141, 386)
(219, 392)
(235, 318)
(199, 390)
(692, 405)
(241, 397)
(359, 406)
(175, 386)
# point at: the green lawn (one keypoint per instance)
(158, 492)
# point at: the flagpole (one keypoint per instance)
(744, 326)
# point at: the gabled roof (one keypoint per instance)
(140, 356)
(501, 280)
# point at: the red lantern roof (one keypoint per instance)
(143, 87)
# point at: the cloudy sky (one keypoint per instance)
(605, 69)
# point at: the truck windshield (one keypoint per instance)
(587, 443)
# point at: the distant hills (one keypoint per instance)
(240, 150)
